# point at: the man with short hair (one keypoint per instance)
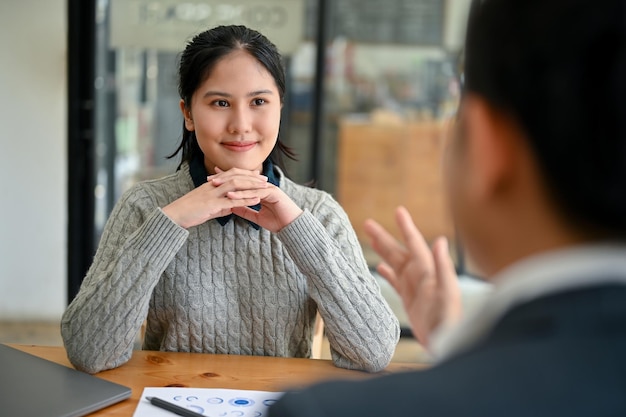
(536, 177)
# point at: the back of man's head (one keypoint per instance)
(558, 67)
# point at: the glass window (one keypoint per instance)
(138, 121)
(390, 91)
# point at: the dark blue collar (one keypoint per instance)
(198, 175)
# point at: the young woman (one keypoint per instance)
(228, 255)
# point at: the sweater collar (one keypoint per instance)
(199, 174)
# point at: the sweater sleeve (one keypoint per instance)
(99, 327)
(361, 328)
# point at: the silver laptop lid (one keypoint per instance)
(32, 387)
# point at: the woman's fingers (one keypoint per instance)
(242, 202)
(261, 192)
(277, 211)
(247, 213)
(226, 206)
(221, 176)
(239, 183)
(217, 181)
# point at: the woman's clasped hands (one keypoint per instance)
(232, 192)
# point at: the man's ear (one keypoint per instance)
(187, 116)
(493, 141)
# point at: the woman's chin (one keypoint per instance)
(244, 165)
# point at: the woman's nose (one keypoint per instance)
(240, 121)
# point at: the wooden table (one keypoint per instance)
(169, 369)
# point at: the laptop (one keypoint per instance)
(32, 387)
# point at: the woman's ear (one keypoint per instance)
(187, 116)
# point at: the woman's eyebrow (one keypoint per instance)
(260, 92)
(213, 93)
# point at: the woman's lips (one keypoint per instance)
(239, 146)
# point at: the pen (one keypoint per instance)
(173, 407)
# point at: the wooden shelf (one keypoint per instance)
(382, 166)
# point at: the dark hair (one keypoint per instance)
(558, 67)
(200, 57)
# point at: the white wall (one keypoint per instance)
(33, 132)
(457, 12)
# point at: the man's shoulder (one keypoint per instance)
(514, 382)
(576, 312)
(530, 364)
(439, 391)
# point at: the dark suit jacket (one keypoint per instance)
(560, 355)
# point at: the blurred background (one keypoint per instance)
(90, 106)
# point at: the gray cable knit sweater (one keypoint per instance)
(227, 289)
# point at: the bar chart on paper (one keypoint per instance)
(209, 402)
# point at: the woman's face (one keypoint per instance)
(235, 114)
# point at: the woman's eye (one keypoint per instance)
(220, 103)
(259, 101)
